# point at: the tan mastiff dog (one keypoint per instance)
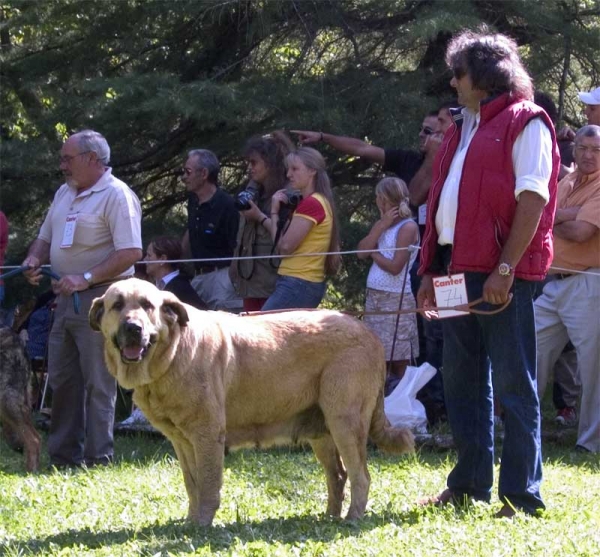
(210, 379)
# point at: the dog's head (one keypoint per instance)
(137, 319)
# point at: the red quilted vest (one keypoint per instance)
(486, 202)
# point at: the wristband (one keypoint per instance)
(263, 221)
(321, 138)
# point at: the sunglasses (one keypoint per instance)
(458, 72)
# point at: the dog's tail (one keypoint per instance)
(388, 438)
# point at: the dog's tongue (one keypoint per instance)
(133, 352)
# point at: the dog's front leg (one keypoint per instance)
(209, 453)
(185, 455)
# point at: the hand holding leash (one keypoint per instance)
(33, 273)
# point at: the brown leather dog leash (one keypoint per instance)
(469, 308)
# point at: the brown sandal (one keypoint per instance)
(443, 498)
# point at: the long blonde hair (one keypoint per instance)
(396, 192)
(312, 159)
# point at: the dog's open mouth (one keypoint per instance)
(134, 351)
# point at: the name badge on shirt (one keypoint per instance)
(422, 214)
(69, 232)
(450, 291)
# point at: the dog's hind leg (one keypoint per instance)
(349, 433)
(327, 454)
(347, 398)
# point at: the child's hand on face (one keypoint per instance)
(388, 218)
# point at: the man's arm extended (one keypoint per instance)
(347, 145)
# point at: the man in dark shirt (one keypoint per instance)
(402, 162)
(212, 229)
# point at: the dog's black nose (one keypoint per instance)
(131, 327)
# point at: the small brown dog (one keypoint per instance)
(210, 379)
(15, 399)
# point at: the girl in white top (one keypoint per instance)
(389, 280)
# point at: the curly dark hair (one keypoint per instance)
(271, 148)
(492, 62)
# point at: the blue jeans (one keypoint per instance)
(292, 292)
(507, 342)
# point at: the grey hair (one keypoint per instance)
(92, 141)
(207, 159)
(591, 130)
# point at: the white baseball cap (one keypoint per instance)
(593, 97)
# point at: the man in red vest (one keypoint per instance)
(491, 208)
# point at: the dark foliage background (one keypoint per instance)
(160, 77)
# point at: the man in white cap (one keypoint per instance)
(591, 111)
(592, 106)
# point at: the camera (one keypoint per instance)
(242, 201)
(293, 198)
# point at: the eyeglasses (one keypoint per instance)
(584, 149)
(458, 72)
(66, 159)
(188, 171)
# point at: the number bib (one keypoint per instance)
(69, 232)
(450, 291)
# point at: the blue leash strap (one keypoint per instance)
(48, 273)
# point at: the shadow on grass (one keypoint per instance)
(179, 535)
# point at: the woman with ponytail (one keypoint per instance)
(308, 237)
(388, 283)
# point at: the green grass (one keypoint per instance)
(272, 504)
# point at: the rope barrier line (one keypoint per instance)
(429, 312)
(248, 257)
(312, 254)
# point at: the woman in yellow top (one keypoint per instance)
(312, 230)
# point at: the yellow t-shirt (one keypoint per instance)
(316, 209)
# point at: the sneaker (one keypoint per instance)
(137, 418)
(566, 417)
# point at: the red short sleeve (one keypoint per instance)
(311, 208)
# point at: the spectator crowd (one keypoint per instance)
(494, 197)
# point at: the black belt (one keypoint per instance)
(206, 270)
(561, 276)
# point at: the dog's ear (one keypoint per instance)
(173, 309)
(96, 313)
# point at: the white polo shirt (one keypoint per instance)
(108, 219)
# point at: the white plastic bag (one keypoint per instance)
(402, 407)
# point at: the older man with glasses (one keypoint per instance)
(91, 236)
(568, 307)
(212, 229)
